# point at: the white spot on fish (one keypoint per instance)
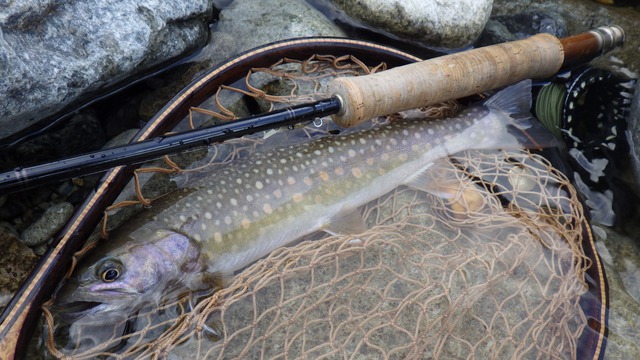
(208, 215)
(234, 202)
(267, 209)
(357, 172)
(227, 220)
(259, 185)
(217, 237)
(307, 180)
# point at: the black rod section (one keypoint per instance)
(134, 153)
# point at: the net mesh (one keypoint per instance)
(488, 265)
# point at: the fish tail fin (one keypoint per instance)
(514, 126)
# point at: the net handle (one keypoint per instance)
(466, 73)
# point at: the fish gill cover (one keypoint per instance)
(488, 262)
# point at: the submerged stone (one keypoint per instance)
(47, 225)
(15, 264)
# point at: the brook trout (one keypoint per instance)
(251, 207)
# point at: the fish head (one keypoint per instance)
(137, 272)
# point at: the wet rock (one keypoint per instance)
(633, 135)
(53, 52)
(82, 133)
(242, 26)
(449, 24)
(121, 139)
(16, 262)
(519, 26)
(581, 16)
(17, 205)
(51, 221)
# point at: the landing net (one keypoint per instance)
(489, 265)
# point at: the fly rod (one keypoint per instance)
(356, 99)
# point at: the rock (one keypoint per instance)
(271, 21)
(244, 25)
(633, 135)
(51, 221)
(581, 16)
(82, 133)
(121, 139)
(16, 262)
(522, 25)
(53, 52)
(449, 24)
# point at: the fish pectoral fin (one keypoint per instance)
(346, 223)
(437, 180)
(206, 281)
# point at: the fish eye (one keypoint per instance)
(109, 271)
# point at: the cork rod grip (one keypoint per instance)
(447, 77)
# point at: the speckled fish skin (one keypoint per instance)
(247, 209)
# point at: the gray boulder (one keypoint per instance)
(52, 52)
(449, 24)
(243, 25)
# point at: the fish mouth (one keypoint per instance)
(77, 309)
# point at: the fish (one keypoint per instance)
(247, 209)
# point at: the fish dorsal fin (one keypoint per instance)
(512, 99)
(515, 101)
(346, 223)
